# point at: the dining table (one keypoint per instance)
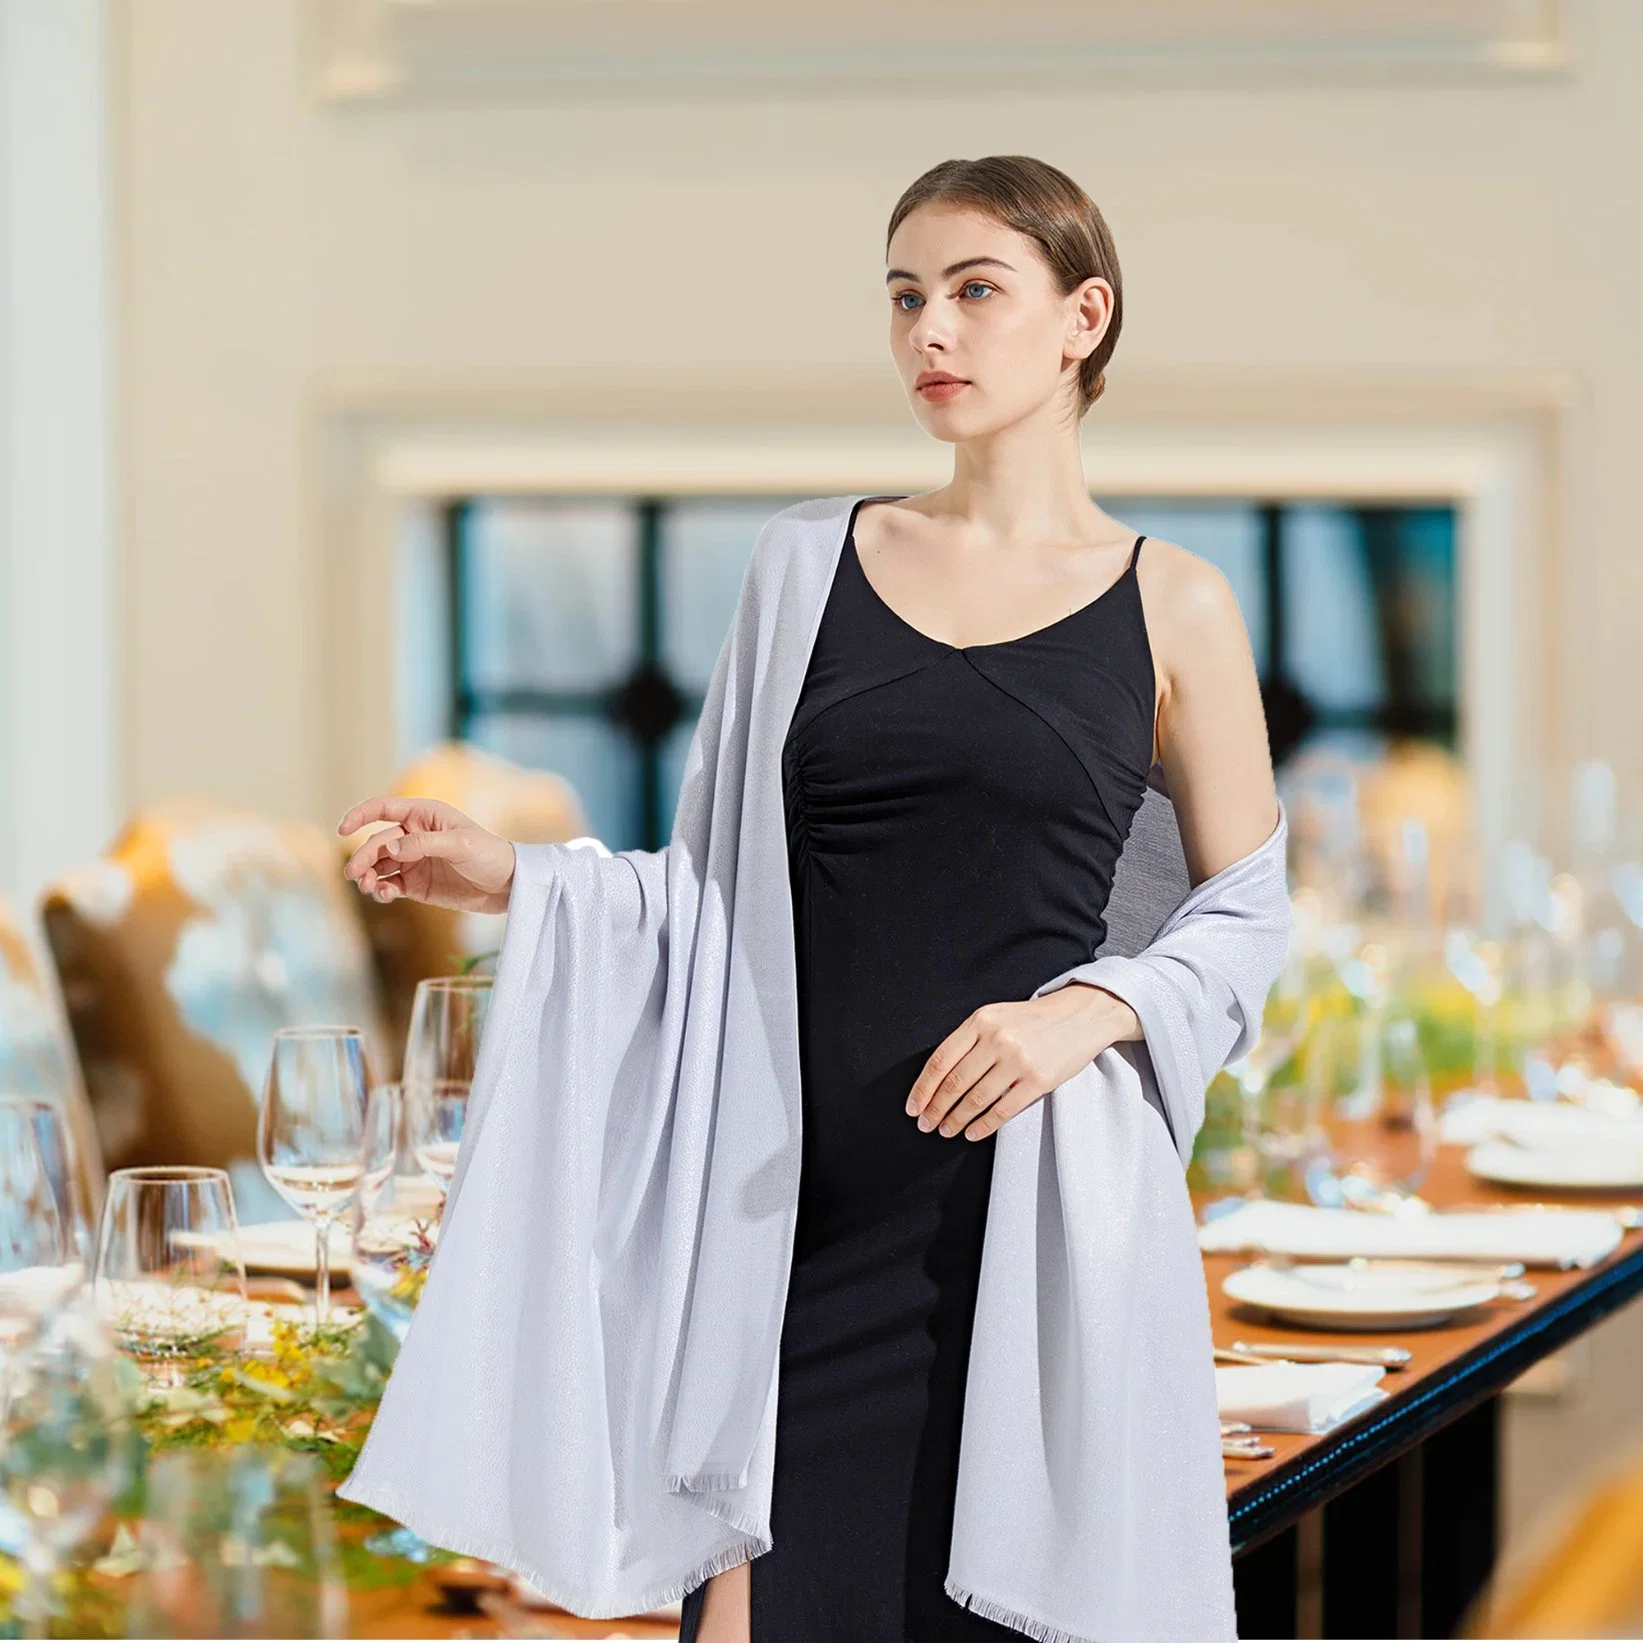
(1384, 1526)
(1388, 1525)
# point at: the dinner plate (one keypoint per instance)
(1329, 1296)
(285, 1247)
(1564, 1166)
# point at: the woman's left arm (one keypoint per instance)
(1212, 738)
(1212, 745)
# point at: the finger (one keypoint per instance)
(978, 1098)
(1017, 1098)
(369, 854)
(414, 847)
(381, 808)
(969, 1069)
(942, 1058)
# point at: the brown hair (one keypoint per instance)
(1049, 208)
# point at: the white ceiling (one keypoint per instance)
(371, 49)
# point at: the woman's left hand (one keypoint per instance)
(1004, 1057)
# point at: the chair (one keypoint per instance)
(412, 941)
(36, 1057)
(180, 951)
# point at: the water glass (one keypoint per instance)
(68, 1448)
(238, 1543)
(169, 1279)
(311, 1129)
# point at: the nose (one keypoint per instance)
(927, 331)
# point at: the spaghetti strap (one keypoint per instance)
(1135, 553)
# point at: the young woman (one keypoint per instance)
(999, 668)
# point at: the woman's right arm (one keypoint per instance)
(429, 851)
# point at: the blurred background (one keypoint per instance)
(393, 391)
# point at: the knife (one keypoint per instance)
(1388, 1357)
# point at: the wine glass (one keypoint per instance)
(441, 1055)
(60, 1163)
(40, 1261)
(1385, 1154)
(67, 1448)
(395, 1225)
(395, 1216)
(1479, 965)
(310, 1131)
(239, 1543)
(169, 1279)
(1284, 1020)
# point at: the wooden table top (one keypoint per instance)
(1453, 1368)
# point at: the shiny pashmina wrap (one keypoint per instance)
(587, 1394)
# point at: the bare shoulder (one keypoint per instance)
(1192, 613)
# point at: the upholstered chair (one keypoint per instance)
(412, 941)
(200, 931)
(37, 1060)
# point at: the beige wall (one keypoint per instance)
(274, 247)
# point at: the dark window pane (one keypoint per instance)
(550, 590)
(705, 549)
(1329, 610)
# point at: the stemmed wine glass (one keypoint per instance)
(441, 1055)
(311, 1130)
(1283, 1026)
(395, 1224)
(42, 1244)
(1478, 964)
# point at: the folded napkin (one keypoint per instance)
(1537, 1237)
(1297, 1397)
(1612, 1122)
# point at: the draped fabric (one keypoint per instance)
(588, 1391)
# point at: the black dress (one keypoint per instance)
(954, 818)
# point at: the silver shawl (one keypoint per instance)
(588, 1392)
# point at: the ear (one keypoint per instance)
(1092, 305)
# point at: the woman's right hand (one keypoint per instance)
(430, 852)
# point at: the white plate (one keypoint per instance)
(1566, 1166)
(285, 1247)
(1328, 1296)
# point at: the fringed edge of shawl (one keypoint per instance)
(389, 1503)
(1041, 1630)
(988, 1609)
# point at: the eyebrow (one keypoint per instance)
(951, 269)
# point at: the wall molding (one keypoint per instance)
(387, 51)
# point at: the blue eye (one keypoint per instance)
(982, 283)
(896, 299)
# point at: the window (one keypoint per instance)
(582, 630)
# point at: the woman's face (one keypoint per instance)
(972, 299)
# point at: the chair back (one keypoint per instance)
(36, 1057)
(202, 930)
(411, 941)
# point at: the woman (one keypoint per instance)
(998, 669)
